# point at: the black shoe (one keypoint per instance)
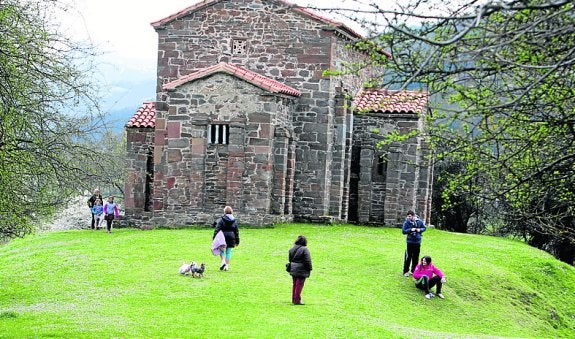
(222, 267)
(300, 303)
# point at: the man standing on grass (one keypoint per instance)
(413, 227)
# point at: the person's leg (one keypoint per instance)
(293, 290)
(436, 281)
(223, 259)
(423, 284)
(109, 225)
(299, 282)
(406, 259)
(93, 220)
(414, 256)
(228, 257)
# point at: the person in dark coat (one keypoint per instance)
(299, 267)
(228, 225)
(91, 203)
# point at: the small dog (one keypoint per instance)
(186, 269)
(198, 271)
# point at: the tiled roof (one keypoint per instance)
(242, 73)
(387, 101)
(303, 10)
(144, 117)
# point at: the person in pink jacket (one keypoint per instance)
(426, 276)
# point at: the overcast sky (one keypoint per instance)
(121, 29)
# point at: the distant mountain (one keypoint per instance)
(116, 119)
(123, 98)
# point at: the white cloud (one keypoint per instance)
(121, 28)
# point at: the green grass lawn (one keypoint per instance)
(95, 285)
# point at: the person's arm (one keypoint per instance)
(116, 210)
(407, 226)
(438, 272)
(237, 233)
(421, 226)
(417, 273)
(217, 229)
(307, 259)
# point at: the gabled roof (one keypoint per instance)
(188, 10)
(387, 101)
(144, 117)
(237, 71)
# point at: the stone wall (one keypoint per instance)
(343, 87)
(294, 49)
(138, 189)
(390, 186)
(303, 159)
(196, 178)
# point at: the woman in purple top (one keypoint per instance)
(110, 212)
(426, 276)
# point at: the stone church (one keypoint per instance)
(246, 116)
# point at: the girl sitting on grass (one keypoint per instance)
(426, 276)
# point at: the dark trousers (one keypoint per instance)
(109, 220)
(298, 283)
(411, 256)
(424, 283)
(93, 221)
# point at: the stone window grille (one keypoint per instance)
(239, 46)
(219, 134)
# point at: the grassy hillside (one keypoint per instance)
(125, 284)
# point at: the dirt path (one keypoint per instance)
(76, 216)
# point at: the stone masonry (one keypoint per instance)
(244, 116)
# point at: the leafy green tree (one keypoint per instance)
(501, 76)
(112, 164)
(48, 148)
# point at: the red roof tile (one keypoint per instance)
(144, 117)
(382, 100)
(242, 73)
(303, 10)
